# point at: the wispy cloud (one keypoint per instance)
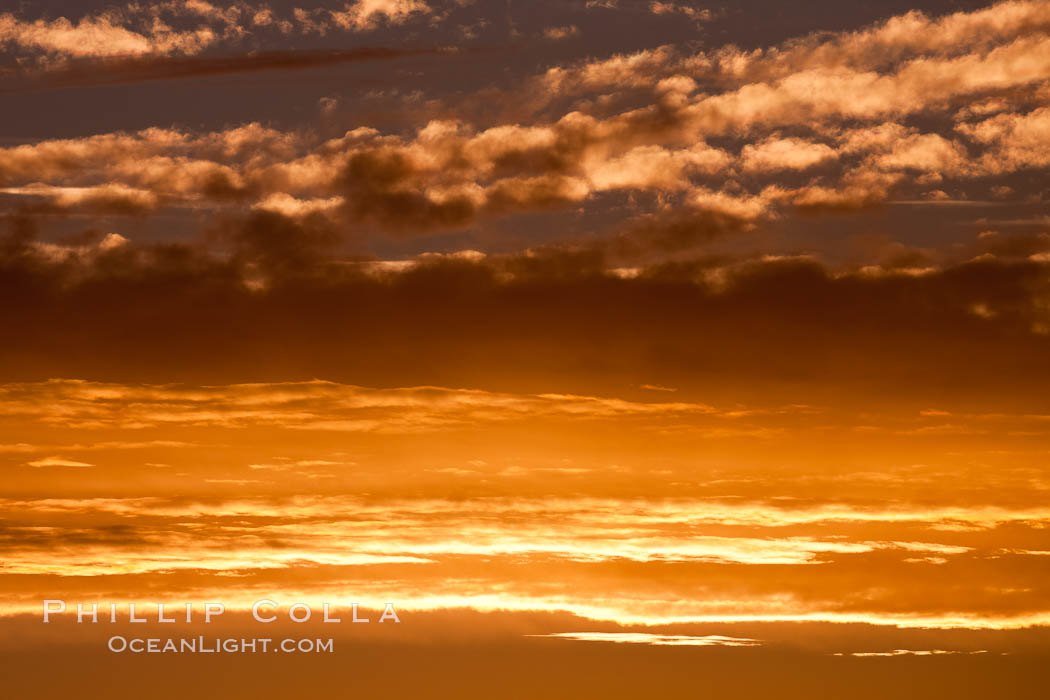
(144, 30)
(57, 462)
(910, 652)
(676, 640)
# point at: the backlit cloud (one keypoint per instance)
(657, 324)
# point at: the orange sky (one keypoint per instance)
(628, 349)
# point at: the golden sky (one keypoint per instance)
(630, 349)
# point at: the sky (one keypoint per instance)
(627, 348)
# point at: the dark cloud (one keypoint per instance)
(281, 306)
(116, 71)
(1014, 245)
(276, 245)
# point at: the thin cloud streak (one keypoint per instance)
(677, 640)
(119, 71)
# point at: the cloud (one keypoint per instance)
(600, 347)
(925, 152)
(682, 640)
(871, 50)
(633, 561)
(287, 205)
(280, 288)
(306, 405)
(896, 39)
(823, 94)
(695, 13)
(848, 95)
(785, 154)
(57, 462)
(558, 33)
(122, 70)
(1017, 141)
(363, 15)
(283, 208)
(136, 30)
(103, 35)
(110, 198)
(910, 652)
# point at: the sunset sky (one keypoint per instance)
(630, 349)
